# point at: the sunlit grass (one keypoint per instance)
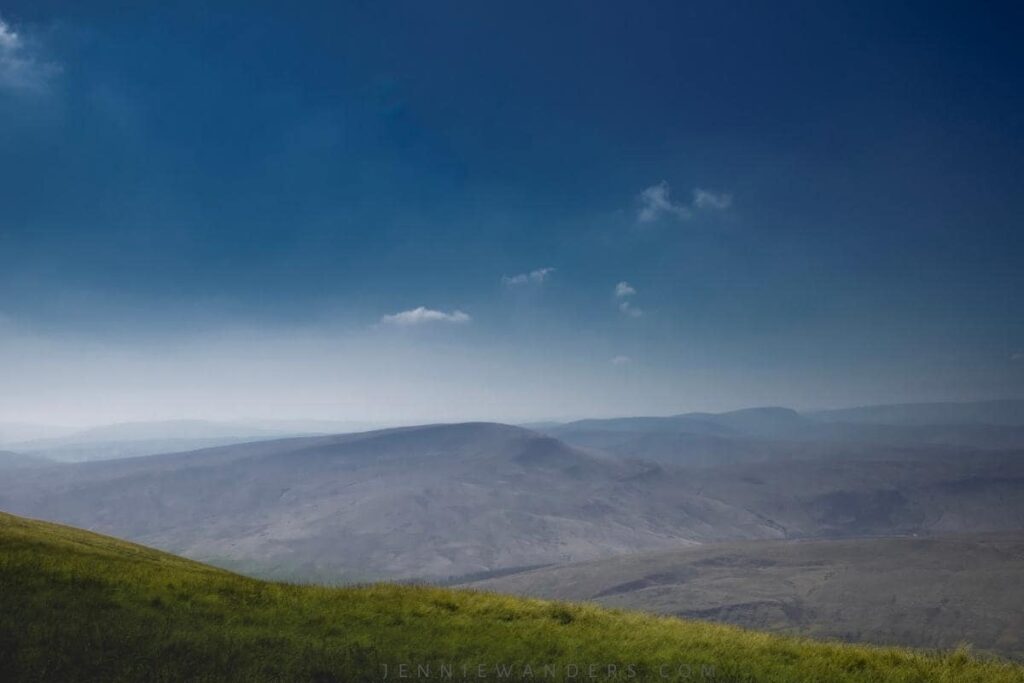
(77, 606)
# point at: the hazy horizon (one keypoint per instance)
(274, 423)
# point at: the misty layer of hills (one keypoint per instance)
(445, 501)
(134, 439)
(419, 502)
(990, 425)
(10, 460)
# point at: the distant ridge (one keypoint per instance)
(132, 439)
(1008, 413)
(988, 424)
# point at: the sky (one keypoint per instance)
(409, 211)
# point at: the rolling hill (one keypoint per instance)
(440, 501)
(897, 591)
(431, 501)
(83, 607)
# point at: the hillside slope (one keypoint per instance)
(936, 592)
(441, 501)
(78, 606)
(431, 501)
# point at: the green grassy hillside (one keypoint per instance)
(77, 606)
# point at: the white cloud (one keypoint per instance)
(536, 277)
(630, 310)
(1019, 356)
(22, 70)
(705, 199)
(656, 201)
(9, 40)
(621, 360)
(421, 315)
(624, 289)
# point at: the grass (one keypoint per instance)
(76, 606)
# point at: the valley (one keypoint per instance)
(921, 592)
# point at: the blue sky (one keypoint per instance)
(411, 211)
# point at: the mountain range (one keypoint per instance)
(443, 501)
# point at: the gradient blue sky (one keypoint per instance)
(211, 212)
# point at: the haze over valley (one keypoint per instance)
(438, 502)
